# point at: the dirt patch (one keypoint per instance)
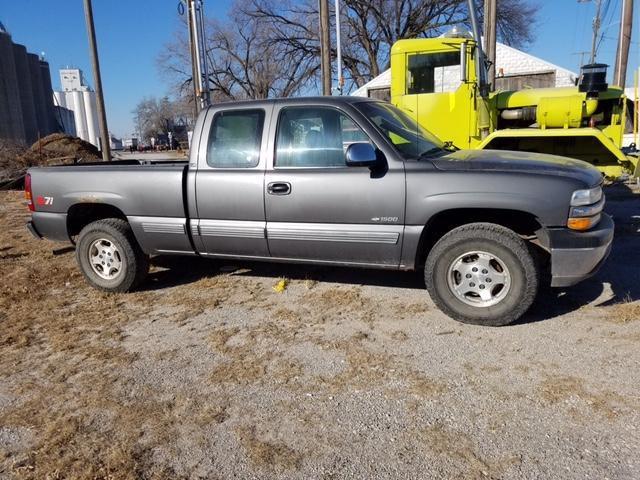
(53, 149)
(270, 454)
(459, 448)
(556, 389)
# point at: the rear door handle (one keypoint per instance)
(279, 188)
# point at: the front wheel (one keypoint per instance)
(482, 273)
(109, 256)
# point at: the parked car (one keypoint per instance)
(339, 181)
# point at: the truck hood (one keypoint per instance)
(518, 162)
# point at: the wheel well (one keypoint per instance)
(82, 214)
(523, 223)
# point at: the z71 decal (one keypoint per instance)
(44, 201)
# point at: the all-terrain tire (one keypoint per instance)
(504, 245)
(134, 264)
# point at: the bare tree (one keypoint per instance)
(371, 27)
(246, 60)
(270, 48)
(156, 116)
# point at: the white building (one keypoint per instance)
(77, 96)
(514, 70)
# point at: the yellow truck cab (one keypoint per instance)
(435, 81)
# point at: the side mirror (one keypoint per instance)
(361, 155)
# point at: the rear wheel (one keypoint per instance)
(483, 274)
(109, 256)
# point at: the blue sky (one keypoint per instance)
(131, 34)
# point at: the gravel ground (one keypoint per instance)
(211, 373)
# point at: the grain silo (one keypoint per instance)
(29, 119)
(38, 94)
(47, 89)
(79, 114)
(77, 96)
(11, 125)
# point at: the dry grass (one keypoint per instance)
(556, 389)
(624, 312)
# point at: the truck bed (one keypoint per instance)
(135, 187)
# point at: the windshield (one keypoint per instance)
(409, 138)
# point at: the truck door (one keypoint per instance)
(437, 91)
(230, 183)
(319, 209)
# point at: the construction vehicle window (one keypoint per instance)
(234, 140)
(433, 72)
(315, 137)
(407, 136)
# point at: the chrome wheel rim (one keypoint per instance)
(105, 259)
(479, 279)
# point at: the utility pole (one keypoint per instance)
(490, 19)
(199, 64)
(582, 54)
(192, 53)
(622, 53)
(325, 47)
(339, 49)
(596, 29)
(105, 146)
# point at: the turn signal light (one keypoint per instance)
(583, 223)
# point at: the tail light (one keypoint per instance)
(28, 196)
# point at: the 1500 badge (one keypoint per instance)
(385, 219)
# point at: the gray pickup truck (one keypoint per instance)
(336, 181)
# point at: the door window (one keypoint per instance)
(315, 137)
(235, 138)
(433, 72)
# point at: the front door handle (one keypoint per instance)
(279, 188)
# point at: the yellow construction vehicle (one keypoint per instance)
(441, 82)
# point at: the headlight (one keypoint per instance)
(586, 207)
(586, 197)
(587, 210)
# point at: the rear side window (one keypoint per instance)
(315, 137)
(235, 138)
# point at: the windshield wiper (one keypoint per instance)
(432, 152)
(450, 146)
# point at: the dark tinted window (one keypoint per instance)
(234, 141)
(433, 72)
(315, 137)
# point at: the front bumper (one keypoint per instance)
(576, 256)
